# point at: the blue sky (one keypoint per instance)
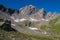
(49, 5)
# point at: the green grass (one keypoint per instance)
(56, 29)
(52, 22)
(14, 34)
(21, 36)
(43, 27)
(55, 26)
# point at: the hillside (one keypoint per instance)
(29, 23)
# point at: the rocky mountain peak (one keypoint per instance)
(28, 6)
(42, 10)
(30, 9)
(31, 6)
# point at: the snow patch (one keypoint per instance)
(32, 19)
(16, 20)
(13, 24)
(46, 20)
(42, 19)
(33, 28)
(22, 19)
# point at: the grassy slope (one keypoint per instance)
(16, 35)
(55, 26)
(20, 36)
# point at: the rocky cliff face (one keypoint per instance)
(29, 12)
(29, 20)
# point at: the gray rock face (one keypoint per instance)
(4, 16)
(31, 11)
(40, 14)
(25, 12)
(49, 15)
(28, 12)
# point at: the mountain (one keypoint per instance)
(29, 11)
(4, 16)
(40, 14)
(32, 13)
(26, 11)
(30, 22)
